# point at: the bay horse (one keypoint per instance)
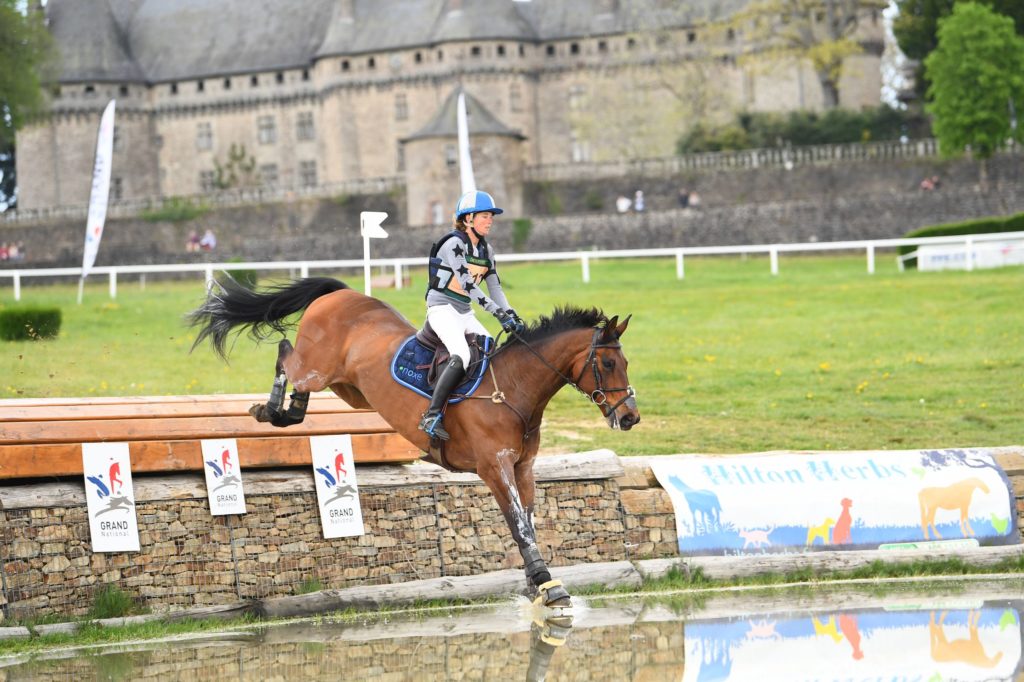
(345, 341)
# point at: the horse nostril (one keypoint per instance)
(629, 420)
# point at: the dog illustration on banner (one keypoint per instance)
(757, 538)
(822, 530)
(704, 506)
(955, 496)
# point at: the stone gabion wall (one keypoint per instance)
(190, 558)
(641, 651)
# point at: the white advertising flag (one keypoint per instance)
(110, 497)
(334, 473)
(465, 161)
(100, 189)
(223, 476)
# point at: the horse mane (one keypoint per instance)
(562, 319)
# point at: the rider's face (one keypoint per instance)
(482, 222)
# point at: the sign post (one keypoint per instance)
(369, 227)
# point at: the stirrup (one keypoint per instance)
(433, 426)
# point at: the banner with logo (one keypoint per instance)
(100, 189)
(223, 476)
(334, 472)
(110, 497)
(844, 500)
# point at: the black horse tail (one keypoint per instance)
(229, 304)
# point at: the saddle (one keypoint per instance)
(429, 339)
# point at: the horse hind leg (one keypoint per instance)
(273, 410)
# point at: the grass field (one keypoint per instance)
(731, 359)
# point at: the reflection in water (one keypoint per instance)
(773, 636)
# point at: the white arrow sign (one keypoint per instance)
(369, 227)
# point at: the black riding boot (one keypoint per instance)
(451, 375)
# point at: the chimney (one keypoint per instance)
(346, 10)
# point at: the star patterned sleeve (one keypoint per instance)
(494, 284)
(457, 261)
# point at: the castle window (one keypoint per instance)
(451, 156)
(207, 181)
(577, 97)
(305, 74)
(522, 51)
(90, 89)
(579, 148)
(515, 98)
(440, 55)
(117, 138)
(123, 90)
(371, 63)
(200, 86)
(631, 43)
(204, 137)
(254, 81)
(116, 189)
(268, 174)
(174, 88)
(730, 35)
(227, 83)
(307, 173)
(279, 77)
(691, 36)
(574, 48)
(501, 50)
(475, 51)
(400, 157)
(602, 46)
(401, 107)
(266, 130)
(345, 66)
(419, 57)
(304, 126)
(551, 50)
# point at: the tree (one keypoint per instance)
(917, 24)
(822, 32)
(977, 80)
(27, 63)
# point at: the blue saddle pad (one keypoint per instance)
(411, 362)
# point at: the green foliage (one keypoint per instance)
(762, 130)
(237, 171)
(521, 228)
(309, 585)
(27, 62)
(551, 198)
(175, 210)
(1013, 223)
(247, 278)
(110, 601)
(29, 323)
(593, 200)
(975, 72)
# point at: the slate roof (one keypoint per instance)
(164, 40)
(479, 120)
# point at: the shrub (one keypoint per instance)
(175, 210)
(110, 601)
(521, 228)
(29, 324)
(593, 200)
(247, 278)
(1013, 223)
(308, 585)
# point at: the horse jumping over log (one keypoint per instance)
(345, 341)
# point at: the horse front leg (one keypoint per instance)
(552, 591)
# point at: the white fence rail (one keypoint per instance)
(301, 268)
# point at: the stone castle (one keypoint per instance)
(332, 94)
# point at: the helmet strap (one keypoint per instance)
(476, 233)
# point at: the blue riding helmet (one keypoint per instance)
(475, 202)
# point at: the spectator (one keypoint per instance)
(622, 204)
(694, 199)
(4, 253)
(21, 250)
(638, 201)
(192, 243)
(936, 183)
(208, 242)
(684, 197)
(927, 185)
(12, 252)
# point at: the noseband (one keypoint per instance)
(599, 396)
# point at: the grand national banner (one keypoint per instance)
(754, 504)
(223, 476)
(334, 473)
(99, 194)
(110, 497)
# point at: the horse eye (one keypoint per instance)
(608, 364)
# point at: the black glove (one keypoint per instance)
(510, 322)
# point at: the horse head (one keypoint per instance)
(602, 375)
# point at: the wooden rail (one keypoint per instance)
(43, 437)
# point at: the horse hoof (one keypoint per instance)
(553, 596)
(259, 413)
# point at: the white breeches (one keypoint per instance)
(452, 328)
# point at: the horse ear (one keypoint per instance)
(621, 329)
(608, 332)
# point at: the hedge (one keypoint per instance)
(29, 324)
(1013, 223)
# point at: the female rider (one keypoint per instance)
(459, 261)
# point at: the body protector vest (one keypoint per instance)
(441, 276)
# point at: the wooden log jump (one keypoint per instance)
(43, 437)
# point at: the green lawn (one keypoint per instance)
(731, 359)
